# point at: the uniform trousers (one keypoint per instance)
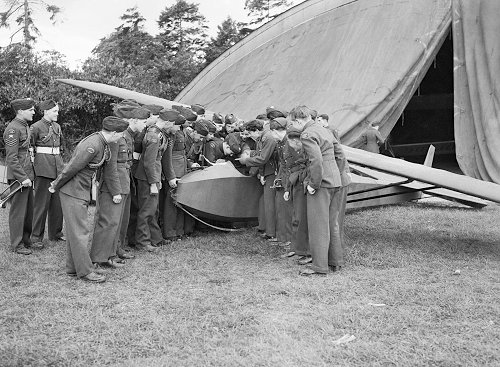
(300, 236)
(324, 234)
(106, 225)
(343, 202)
(46, 203)
(20, 217)
(133, 209)
(175, 221)
(284, 211)
(75, 212)
(262, 215)
(121, 237)
(148, 231)
(270, 206)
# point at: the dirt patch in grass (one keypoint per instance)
(230, 299)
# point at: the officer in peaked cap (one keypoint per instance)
(46, 139)
(74, 183)
(19, 168)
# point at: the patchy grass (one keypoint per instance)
(231, 300)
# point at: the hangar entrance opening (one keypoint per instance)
(428, 117)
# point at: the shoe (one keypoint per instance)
(285, 244)
(126, 255)
(71, 274)
(272, 239)
(288, 254)
(335, 268)
(37, 245)
(23, 251)
(147, 248)
(305, 260)
(308, 271)
(111, 263)
(94, 278)
(60, 238)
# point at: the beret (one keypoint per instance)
(22, 104)
(131, 112)
(130, 102)
(278, 123)
(180, 120)
(113, 123)
(324, 116)
(272, 113)
(201, 127)
(168, 114)
(47, 105)
(217, 118)
(153, 108)
(198, 109)
(230, 119)
(262, 116)
(211, 126)
(186, 112)
(234, 143)
(254, 125)
(314, 114)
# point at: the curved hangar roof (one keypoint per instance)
(353, 60)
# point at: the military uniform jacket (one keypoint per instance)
(264, 155)
(46, 134)
(17, 141)
(342, 163)
(214, 150)
(153, 145)
(295, 161)
(121, 153)
(167, 167)
(91, 154)
(321, 148)
(179, 160)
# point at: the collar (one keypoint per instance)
(47, 122)
(310, 123)
(22, 122)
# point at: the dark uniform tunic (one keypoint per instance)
(323, 206)
(265, 158)
(175, 222)
(193, 149)
(46, 139)
(74, 185)
(149, 172)
(370, 140)
(19, 167)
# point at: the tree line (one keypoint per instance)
(130, 57)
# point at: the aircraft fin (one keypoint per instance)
(430, 156)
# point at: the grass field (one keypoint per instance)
(231, 300)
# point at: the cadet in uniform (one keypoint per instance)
(323, 193)
(296, 168)
(265, 158)
(136, 117)
(148, 174)
(46, 139)
(74, 185)
(369, 139)
(175, 223)
(20, 168)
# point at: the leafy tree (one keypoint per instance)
(183, 28)
(228, 34)
(21, 13)
(129, 43)
(262, 11)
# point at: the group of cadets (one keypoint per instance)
(138, 157)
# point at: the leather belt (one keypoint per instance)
(48, 150)
(136, 156)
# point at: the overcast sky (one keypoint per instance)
(84, 22)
